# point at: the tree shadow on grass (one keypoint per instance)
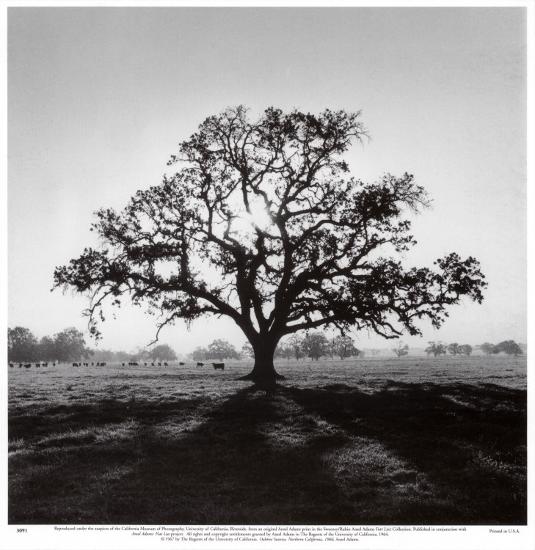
(228, 467)
(408, 453)
(468, 440)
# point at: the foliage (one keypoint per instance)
(488, 348)
(296, 242)
(465, 349)
(345, 347)
(162, 352)
(221, 349)
(66, 345)
(284, 350)
(401, 349)
(70, 345)
(21, 344)
(295, 343)
(315, 345)
(510, 347)
(199, 354)
(436, 349)
(247, 350)
(454, 349)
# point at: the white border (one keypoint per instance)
(45, 537)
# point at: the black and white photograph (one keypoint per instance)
(266, 269)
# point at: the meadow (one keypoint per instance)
(363, 441)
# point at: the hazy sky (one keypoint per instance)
(99, 98)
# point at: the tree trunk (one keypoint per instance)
(264, 374)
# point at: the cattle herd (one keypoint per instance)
(217, 366)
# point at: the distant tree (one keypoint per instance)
(70, 345)
(199, 354)
(21, 344)
(487, 348)
(47, 349)
(315, 345)
(295, 342)
(454, 349)
(285, 351)
(162, 352)
(510, 347)
(247, 350)
(331, 346)
(345, 347)
(465, 349)
(436, 349)
(401, 349)
(221, 349)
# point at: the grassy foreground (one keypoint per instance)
(411, 441)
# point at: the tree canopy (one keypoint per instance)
(261, 221)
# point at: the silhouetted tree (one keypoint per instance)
(295, 241)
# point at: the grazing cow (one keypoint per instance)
(159, 364)
(28, 365)
(152, 364)
(37, 365)
(11, 365)
(220, 366)
(122, 364)
(145, 364)
(20, 365)
(200, 364)
(181, 363)
(165, 364)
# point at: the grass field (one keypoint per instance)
(368, 441)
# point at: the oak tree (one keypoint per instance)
(261, 221)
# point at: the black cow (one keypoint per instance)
(220, 366)
(200, 364)
(181, 363)
(11, 365)
(165, 364)
(28, 365)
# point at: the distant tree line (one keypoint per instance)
(69, 345)
(510, 347)
(313, 345)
